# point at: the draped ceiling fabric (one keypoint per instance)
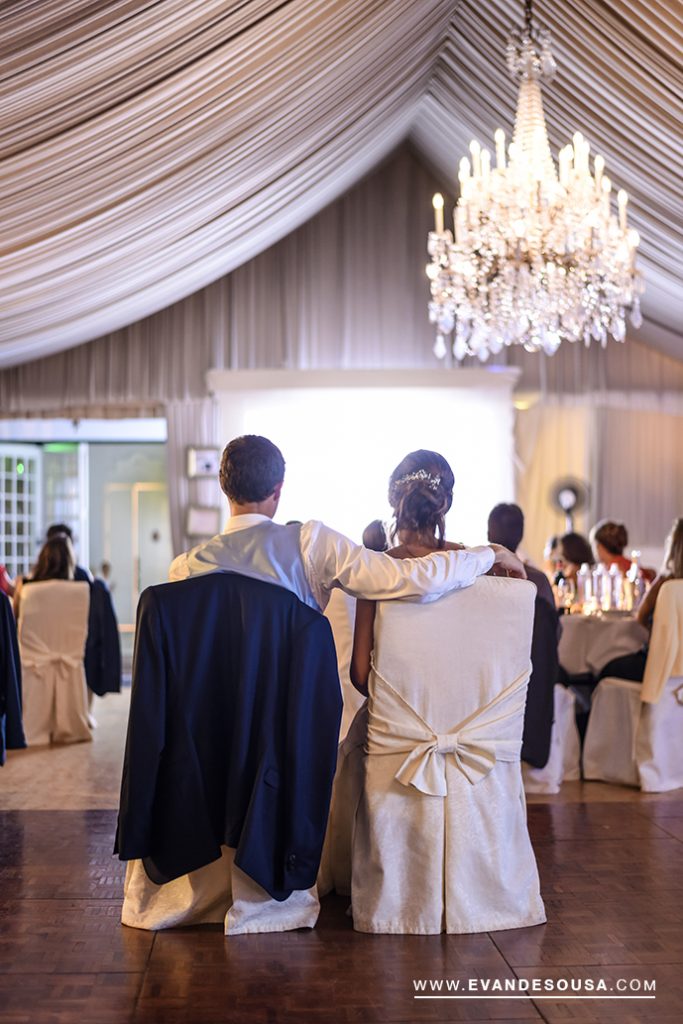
(150, 148)
(346, 290)
(147, 148)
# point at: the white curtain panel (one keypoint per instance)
(191, 424)
(553, 440)
(627, 447)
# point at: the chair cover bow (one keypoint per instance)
(36, 655)
(490, 734)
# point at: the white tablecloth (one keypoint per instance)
(588, 643)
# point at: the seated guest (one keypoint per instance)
(11, 729)
(440, 840)
(375, 536)
(63, 530)
(6, 585)
(575, 551)
(506, 527)
(308, 560)
(52, 618)
(103, 648)
(552, 555)
(311, 559)
(632, 666)
(609, 540)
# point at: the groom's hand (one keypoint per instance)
(505, 563)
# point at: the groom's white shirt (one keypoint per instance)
(330, 560)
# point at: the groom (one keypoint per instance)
(310, 559)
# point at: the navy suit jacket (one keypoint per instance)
(11, 728)
(103, 647)
(233, 731)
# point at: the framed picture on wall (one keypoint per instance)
(203, 521)
(203, 462)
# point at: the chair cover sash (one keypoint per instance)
(490, 734)
(39, 654)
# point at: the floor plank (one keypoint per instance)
(611, 865)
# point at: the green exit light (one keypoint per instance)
(20, 468)
(60, 447)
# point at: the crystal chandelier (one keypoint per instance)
(538, 257)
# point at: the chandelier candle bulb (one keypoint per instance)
(437, 203)
(475, 150)
(499, 136)
(565, 164)
(599, 167)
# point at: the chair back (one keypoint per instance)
(53, 621)
(665, 654)
(449, 658)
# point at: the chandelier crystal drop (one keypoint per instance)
(538, 256)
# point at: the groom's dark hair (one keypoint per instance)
(251, 469)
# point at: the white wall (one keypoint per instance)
(342, 433)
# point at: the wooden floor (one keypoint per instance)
(611, 863)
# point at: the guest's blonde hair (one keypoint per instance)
(673, 562)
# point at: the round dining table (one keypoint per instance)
(589, 642)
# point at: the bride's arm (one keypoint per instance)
(363, 641)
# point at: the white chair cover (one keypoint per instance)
(564, 760)
(335, 862)
(341, 614)
(440, 840)
(219, 893)
(632, 743)
(634, 731)
(52, 629)
(665, 656)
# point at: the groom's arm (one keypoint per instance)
(332, 560)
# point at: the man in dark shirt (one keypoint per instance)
(506, 527)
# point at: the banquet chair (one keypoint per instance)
(53, 626)
(545, 670)
(222, 818)
(441, 840)
(564, 759)
(634, 729)
(340, 613)
(11, 728)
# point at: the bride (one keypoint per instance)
(420, 494)
(439, 838)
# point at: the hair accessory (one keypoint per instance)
(432, 482)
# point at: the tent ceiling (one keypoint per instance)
(148, 148)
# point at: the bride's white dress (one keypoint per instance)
(440, 841)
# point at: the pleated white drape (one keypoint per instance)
(346, 290)
(627, 447)
(148, 147)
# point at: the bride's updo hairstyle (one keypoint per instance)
(421, 493)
